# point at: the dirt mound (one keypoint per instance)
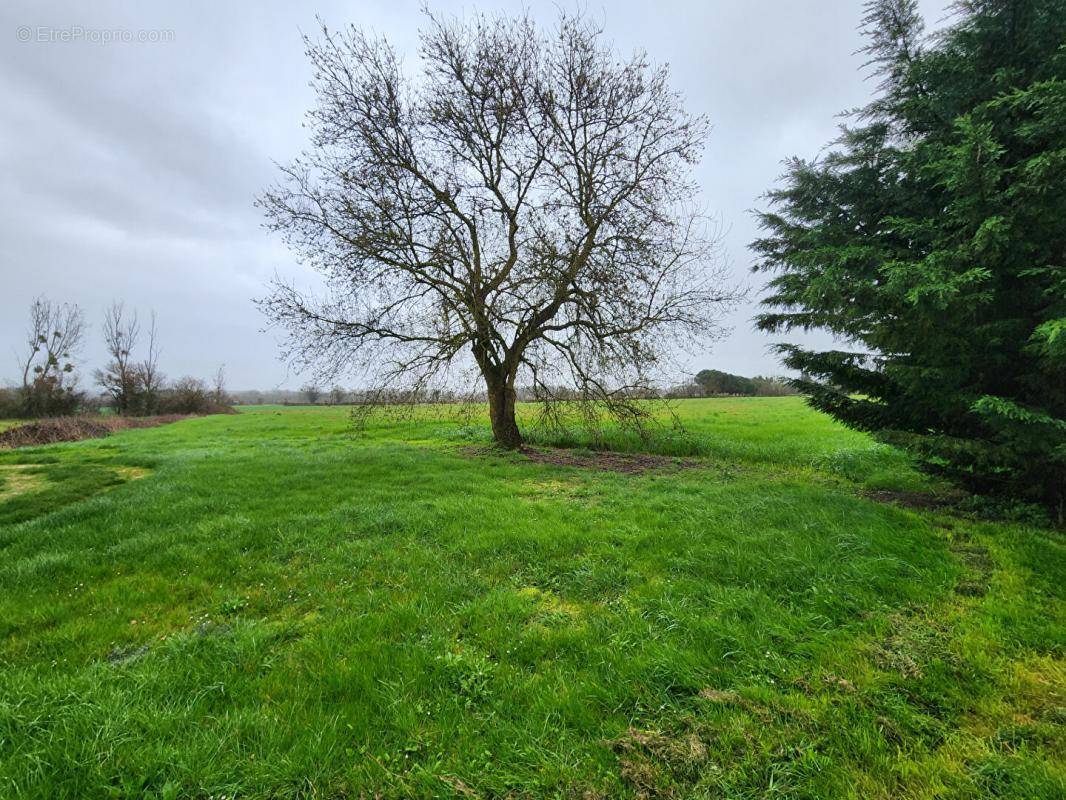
(71, 429)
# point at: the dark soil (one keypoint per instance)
(628, 463)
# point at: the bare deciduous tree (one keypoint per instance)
(135, 387)
(121, 377)
(118, 378)
(525, 207)
(53, 338)
(218, 390)
(152, 380)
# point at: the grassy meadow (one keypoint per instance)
(264, 605)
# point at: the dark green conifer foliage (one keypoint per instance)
(931, 238)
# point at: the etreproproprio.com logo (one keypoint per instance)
(50, 34)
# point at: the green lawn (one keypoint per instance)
(263, 605)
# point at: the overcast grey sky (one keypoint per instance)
(128, 169)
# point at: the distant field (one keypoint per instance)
(266, 606)
(8, 423)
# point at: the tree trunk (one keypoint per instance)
(502, 414)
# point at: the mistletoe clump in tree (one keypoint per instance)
(932, 239)
(49, 383)
(521, 211)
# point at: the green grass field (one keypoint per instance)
(266, 606)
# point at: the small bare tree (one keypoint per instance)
(135, 387)
(218, 391)
(524, 207)
(121, 378)
(152, 380)
(53, 338)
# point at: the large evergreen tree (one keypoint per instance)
(931, 238)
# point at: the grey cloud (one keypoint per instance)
(129, 170)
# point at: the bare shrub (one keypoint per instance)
(190, 395)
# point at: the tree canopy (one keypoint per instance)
(522, 209)
(931, 239)
(714, 381)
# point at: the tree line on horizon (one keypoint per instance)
(705, 383)
(131, 382)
